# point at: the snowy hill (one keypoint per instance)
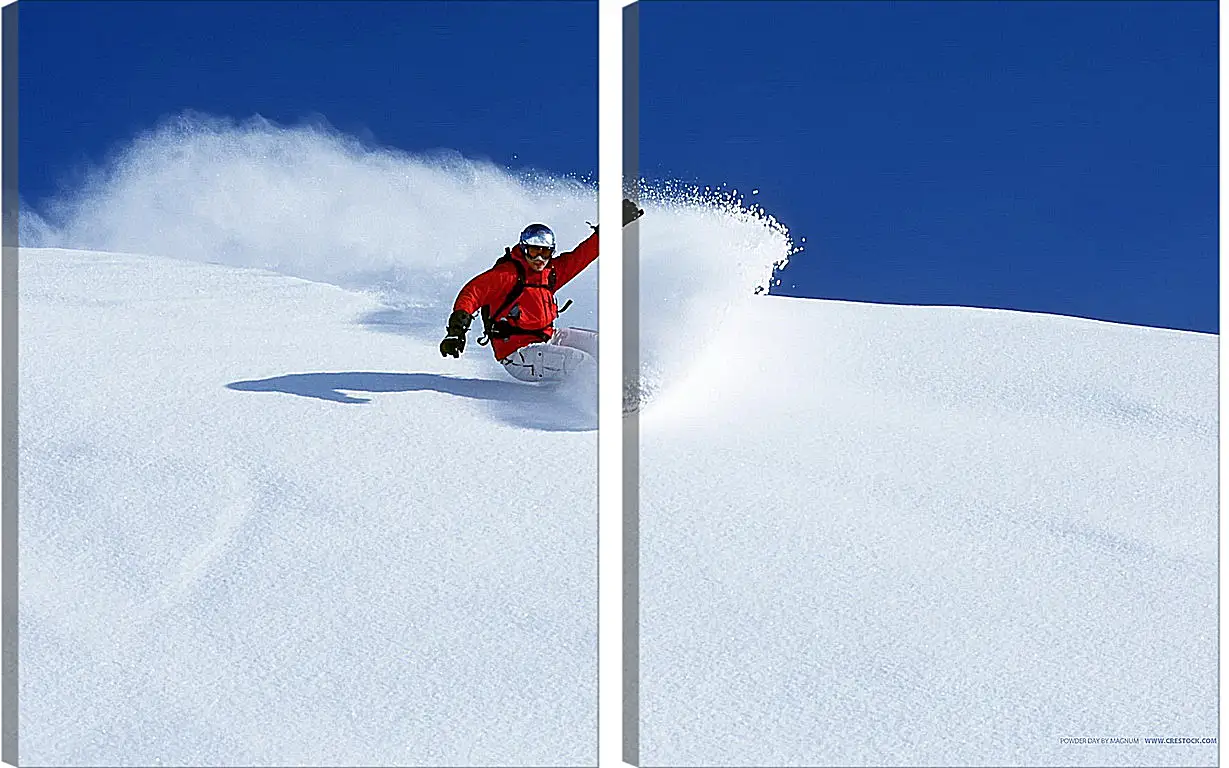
(263, 522)
(896, 535)
(255, 532)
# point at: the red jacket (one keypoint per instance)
(536, 307)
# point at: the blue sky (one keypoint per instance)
(515, 82)
(1056, 157)
(1047, 156)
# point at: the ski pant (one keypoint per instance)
(553, 360)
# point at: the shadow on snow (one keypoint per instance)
(522, 405)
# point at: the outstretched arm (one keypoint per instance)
(571, 264)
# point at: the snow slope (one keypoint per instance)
(888, 535)
(262, 521)
(263, 524)
(256, 532)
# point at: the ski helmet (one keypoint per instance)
(538, 235)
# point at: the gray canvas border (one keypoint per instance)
(631, 386)
(8, 390)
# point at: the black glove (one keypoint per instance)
(458, 325)
(631, 212)
(452, 345)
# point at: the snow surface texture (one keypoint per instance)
(875, 536)
(262, 521)
(885, 535)
(254, 532)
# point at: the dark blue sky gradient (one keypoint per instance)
(515, 82)
(1048, 156)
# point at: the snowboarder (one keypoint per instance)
(517, 300)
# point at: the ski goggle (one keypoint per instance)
(537, 252)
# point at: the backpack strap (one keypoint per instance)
(493, 324)
(516, 292)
